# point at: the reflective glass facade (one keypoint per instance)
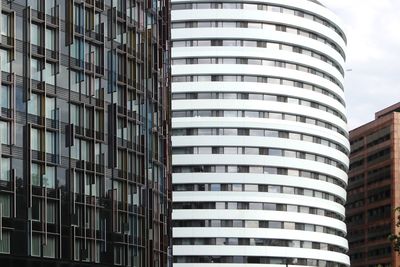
(84, 124)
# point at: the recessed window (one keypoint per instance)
(5, 60)
(36, 249)
(50, 142)
(50, 39)
(5, 24)
(5, 203)
(5, 132)
(5, 242)
(36, 209)
(35, 139)
(50, 7)
(35, 174)
(35, 34)
(5, 97)
(50, 74)
(5, 168)
(34, 105)
(49, 178)
(51, 212)
(50, 108)
(118, 255)
(36, 70)
(49, 249)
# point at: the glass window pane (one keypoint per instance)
(77, 249)
(35, 174)
(5, 24)
(75, 150)
(36, 208)
(84, 151)
(34, 105)
(49, 74)
(35, 139)
(36, 247)
(50, 108)
(51, 142)
(5, 242)
(49, 179)
(35, 4)
(49, 249)
(77, 182)
(5, 132)
(75, 114)
(35, 34)
(5, 203)
(51, 212)
(5, 61)
(50, 7)
(35, 69)
(50, 39)
(5, 169)
(5, 97)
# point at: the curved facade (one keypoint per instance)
(260, 141)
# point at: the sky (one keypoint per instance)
(372, 81)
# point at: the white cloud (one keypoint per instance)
(373, 32)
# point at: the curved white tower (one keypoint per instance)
(260, 142)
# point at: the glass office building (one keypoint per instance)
(84, 170)
(260, 141)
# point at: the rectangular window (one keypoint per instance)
(97, 55)
(49, 249)
(50, 108)
(75, 150)
(97, 153)
(118, 185)
(98, 252)
(36, 209)
(5, 97)
(35, 34)
(89, 185)
(74, 79)
(78, 15)
(35, 4)
(77, 249)
(50, 142)
(5, 168)
(34, 105)
(77, 182)
(50, 39)
(49, 179)
(121, 34)
(5, 243)
(84, 151)
(5, 60)
(5, 132)
(75, 115)
(5, 24)
(5, 203)
(36, 248)
(49, 74)
(97, 25)
(98, 222)
(35, 139)
(51, 212)
(118, 255)
(35, 174)
(50, 7)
